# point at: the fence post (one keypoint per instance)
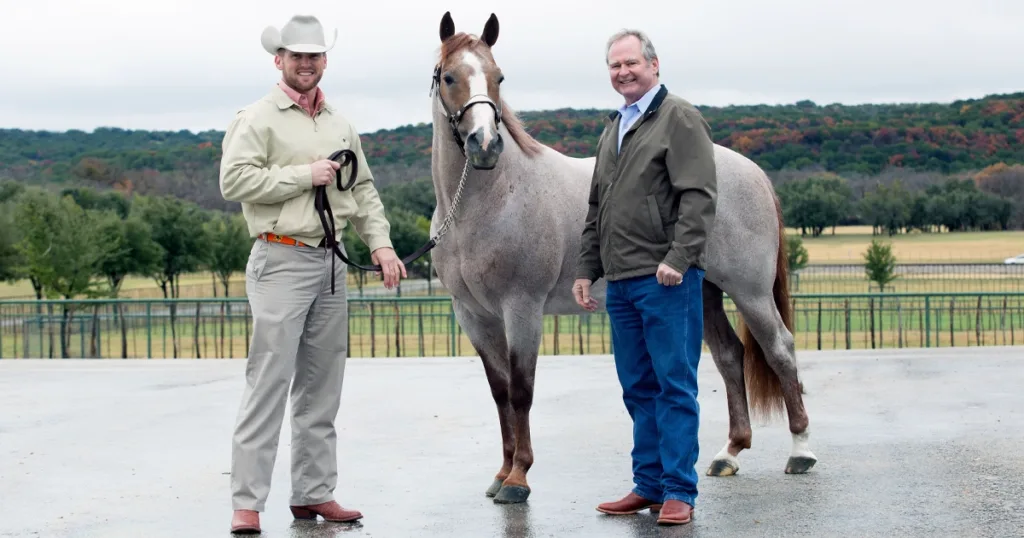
(149, 330)
(927, 321)
(451, 330)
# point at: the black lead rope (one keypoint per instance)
(323, 209)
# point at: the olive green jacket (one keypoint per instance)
(268, 149)
(653, 202)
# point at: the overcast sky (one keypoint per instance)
(189, 64)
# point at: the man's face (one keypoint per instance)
(301, 71)
(631, 74)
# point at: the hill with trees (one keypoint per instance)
(898, 167)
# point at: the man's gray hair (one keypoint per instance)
(646, 47)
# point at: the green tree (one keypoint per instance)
(178, 227)
(62, 247)
(132, 252)
(408, 234)
(230, 235)
(880, 263)
(815, 203)
(10, 258)
(796, 253)
(90, 198)
(888, 208)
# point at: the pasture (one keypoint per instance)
(848, 243)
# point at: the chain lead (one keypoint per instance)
(450, 217)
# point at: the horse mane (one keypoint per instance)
(463, 41)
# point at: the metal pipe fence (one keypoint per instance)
(426, 326)
(911, 278)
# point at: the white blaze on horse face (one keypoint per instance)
(482, 116)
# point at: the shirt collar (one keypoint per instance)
(643, 103)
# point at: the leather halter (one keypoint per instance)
(454, 118)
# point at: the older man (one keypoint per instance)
(652, 206)
(274, 157)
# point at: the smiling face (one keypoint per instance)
(631, 74)
(301, 71)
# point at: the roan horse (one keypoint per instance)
(510, 256)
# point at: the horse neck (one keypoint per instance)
(483, 188)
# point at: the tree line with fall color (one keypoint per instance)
(858, 142)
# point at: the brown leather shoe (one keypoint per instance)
(675, 512)
(330, 511)
(630, 504)
(245, 522)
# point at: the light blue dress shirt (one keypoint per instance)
(629, 114)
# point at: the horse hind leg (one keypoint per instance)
(771, 371)
(488, 339)
(727, 352)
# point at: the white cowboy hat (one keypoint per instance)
(303, 33)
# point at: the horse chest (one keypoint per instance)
(470, 269)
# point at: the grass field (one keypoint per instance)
(850, 242)
(388, 328)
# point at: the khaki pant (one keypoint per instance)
(300, 334)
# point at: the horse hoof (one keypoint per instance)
(495, 486)
(800, 464)
(723, 468)
(512, 494)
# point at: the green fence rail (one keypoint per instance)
(425, 326)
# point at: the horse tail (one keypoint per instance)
(764, 390)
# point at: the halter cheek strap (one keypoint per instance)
(454, 118)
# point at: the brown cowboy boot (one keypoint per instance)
(330, 511)
(245, 522)
(630, 504)
(675, 512)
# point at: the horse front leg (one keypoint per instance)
(487, 335)
(524, 326)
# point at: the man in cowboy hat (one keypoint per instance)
(273, 156)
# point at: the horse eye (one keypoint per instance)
(501, 79)
(448, 79)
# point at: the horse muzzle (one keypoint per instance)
(479, 157)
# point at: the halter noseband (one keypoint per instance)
(455, 118)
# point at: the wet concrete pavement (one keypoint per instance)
(910, 443)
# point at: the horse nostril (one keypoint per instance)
(473, 140)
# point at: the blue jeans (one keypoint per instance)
(657, 333)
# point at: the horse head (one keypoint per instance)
(468, 81)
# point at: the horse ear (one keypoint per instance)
(447, 26)
(490, 35)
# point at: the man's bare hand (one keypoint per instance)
(581, 291)
(324, 172)
(391, 266)
(668, 276)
